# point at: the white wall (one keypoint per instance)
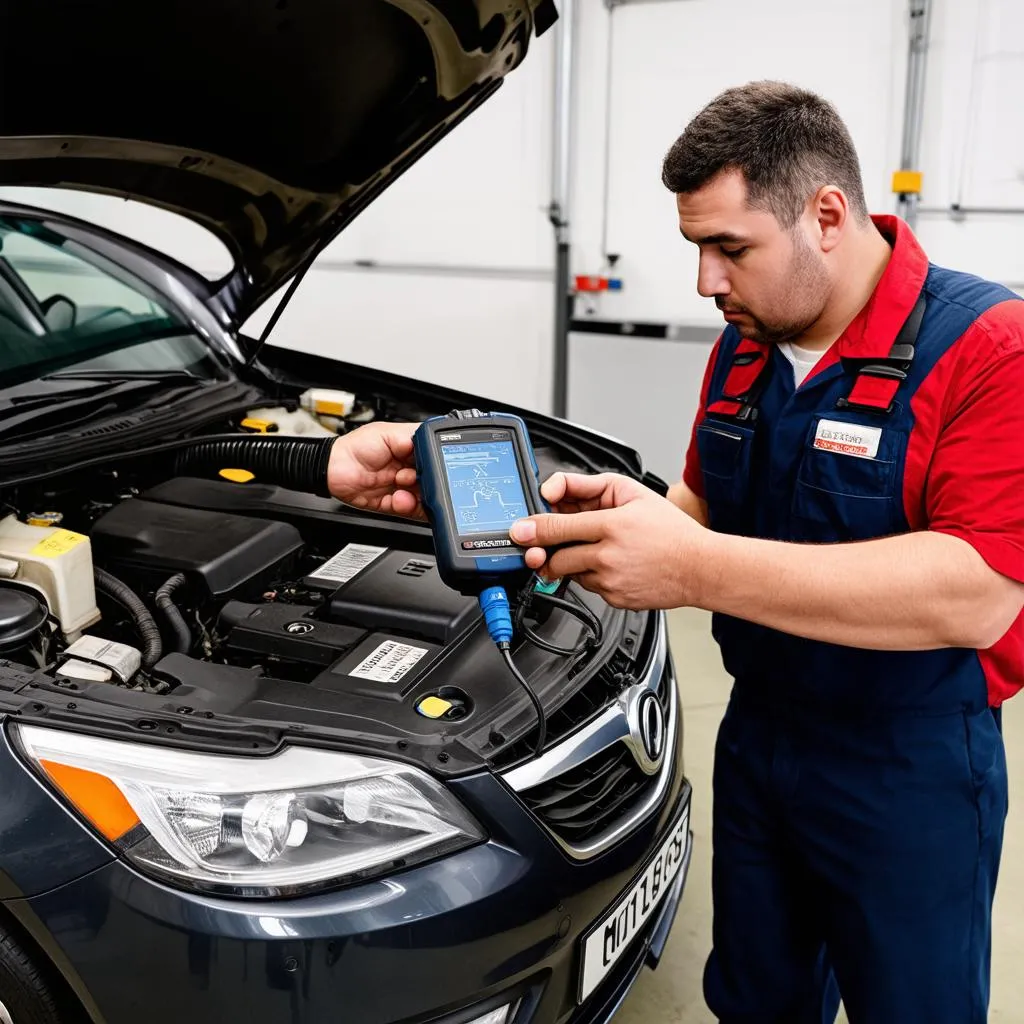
(973, 151)
(667, 60)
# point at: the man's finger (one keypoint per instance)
(564, 487)
(573, 561)
(536, 557)
(403, 503)
(546, 531)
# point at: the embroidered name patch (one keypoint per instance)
(848, 438)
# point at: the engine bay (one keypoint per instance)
(229, 613)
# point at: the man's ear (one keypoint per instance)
(831, 211)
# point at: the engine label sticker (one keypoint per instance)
(121, 658)
(60, 542)
(389, 662)
(347, 563)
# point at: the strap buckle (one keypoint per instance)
(877, 381)
(875, 387)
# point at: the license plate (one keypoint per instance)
(614, 933)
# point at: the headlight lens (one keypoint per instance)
(297, 821)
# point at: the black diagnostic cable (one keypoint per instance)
(531, 594)
(542, 718)
(502, 627)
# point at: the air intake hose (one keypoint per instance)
(295, 463)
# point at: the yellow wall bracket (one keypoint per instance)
(907, 182)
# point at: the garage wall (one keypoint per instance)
(973, 146)
(667, 60)
(664, 60)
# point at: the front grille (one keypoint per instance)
(587, 800)
(592, 798)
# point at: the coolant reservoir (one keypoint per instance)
(55, 562)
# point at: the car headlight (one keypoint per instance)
(299, 820)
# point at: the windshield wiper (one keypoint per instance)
(119, 375)
(26, 415)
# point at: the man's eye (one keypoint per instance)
(735, 253)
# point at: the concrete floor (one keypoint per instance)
(672, 994)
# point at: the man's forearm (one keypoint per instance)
(918, 591)
(682, 497)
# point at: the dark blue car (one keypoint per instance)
(258, 763)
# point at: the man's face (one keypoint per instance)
(770, 282)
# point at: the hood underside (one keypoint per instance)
(270, 122)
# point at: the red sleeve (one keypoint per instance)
(975, 484)
(691, 467)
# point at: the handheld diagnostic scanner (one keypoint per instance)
(477, 476)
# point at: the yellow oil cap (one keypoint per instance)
(259, 426)
(237, 476)
(434, 707)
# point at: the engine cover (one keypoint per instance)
(226, 554)
(401, 592)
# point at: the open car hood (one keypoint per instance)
(270, 122)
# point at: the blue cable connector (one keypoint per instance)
(497, 614)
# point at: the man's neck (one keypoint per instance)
(863, 264)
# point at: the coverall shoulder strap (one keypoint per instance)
(744, 384)
(878, 380)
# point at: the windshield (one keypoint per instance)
(63, 306)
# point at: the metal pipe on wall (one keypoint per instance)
(558, 211)
(958, 212)
(913, 106)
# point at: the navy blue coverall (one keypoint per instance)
(859, 795)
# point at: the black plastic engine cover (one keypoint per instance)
(229, 554)
(285, 632)
(401, 592)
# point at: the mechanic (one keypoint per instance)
(852, 512)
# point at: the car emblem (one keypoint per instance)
(646, 719)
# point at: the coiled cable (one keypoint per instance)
(149, 631)
(580, 611)
(164, 600)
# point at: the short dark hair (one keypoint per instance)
(786, 141)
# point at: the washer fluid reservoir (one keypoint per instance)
(55, 562)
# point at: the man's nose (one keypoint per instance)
(711, 279)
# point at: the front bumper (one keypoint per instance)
(497, 923)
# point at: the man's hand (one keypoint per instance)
(625, 542)
(372, 468)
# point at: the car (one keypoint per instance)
(259, 763)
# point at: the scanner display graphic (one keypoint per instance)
(485, 485)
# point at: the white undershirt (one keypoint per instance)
(803, 359)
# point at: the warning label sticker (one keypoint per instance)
(848, 438)
(60, 542)
(390, 662)
(347, 563)
(120, 658)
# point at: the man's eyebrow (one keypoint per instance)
(722, 238)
